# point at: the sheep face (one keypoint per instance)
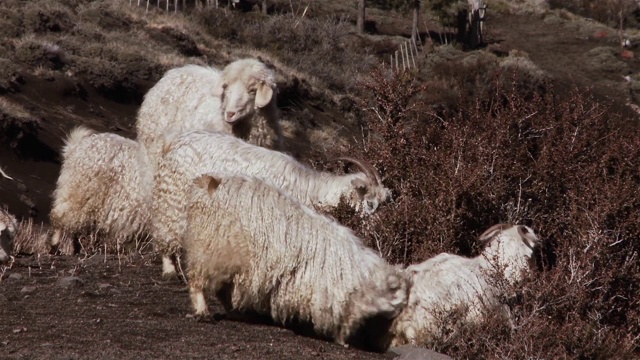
(393, 300)
(245, 86)
(512, 246)
(368, 192)
(368, 196)
(7, 233)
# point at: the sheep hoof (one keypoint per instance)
(205, 317)
(169, 276)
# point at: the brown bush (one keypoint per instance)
(42, 17)
(10, 76)
(562, 167)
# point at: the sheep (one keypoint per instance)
(286, 261)
(238, 100)
(197, 152)
(8, 229)
(449, 282)
(105, 185)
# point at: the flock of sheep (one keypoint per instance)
(206, 178)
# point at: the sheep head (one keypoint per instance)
(512, 246)
(8, 227)
(245, 86)
(369, 192)
(524, 233)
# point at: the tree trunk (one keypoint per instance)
(360, 21)
(264, 7)
(416, 19)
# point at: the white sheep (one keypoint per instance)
(238, 100)
(197, 152)
(105, 184)
(8, 229)
(262, 251)
(449, 282)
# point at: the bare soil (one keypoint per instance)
(122, 309)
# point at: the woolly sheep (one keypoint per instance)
(197, 152)
(105, 184)
(238, 100)
(8, 229)
(447, 282)
(287, 261)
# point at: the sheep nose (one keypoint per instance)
(230, 114)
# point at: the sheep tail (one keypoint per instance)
(75, 137)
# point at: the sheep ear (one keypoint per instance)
(166, 148)
(263, 95)
(207, 182)
(491, 232)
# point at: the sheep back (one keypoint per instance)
(448, 282)
(105, 184)
(297, 264)
(197, 152)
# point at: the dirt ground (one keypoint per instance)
(122, 309)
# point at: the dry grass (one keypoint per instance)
(31, 238)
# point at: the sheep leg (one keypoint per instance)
(55, 241)
(168, 266)
(341, 338)
(196, 292)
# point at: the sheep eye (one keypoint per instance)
(253, 91)
(224, 86)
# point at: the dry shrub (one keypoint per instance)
(35, 52)
(10, 76)
(46, 16)
(10, 22)
(17, 125)
(30, 238)
(614, 13)
(456, 79)
(562, 167)
(117, 72)
(605, 58)
(107, 15)
(305, 44)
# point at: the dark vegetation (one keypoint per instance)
(469, 140)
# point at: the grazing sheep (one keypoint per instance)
(238, 100)
(197, 152)
(8, 229)
(105, 184)
(262, 251)
(449, 282)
